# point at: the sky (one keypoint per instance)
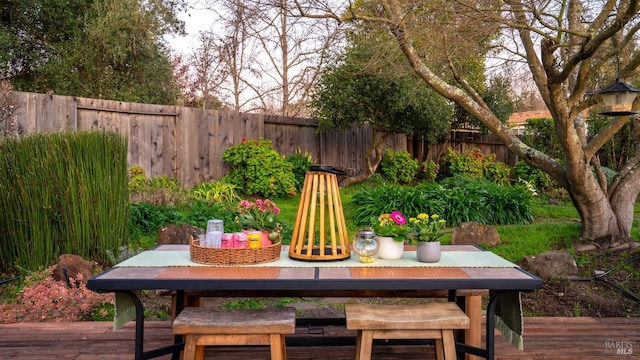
(196, 19)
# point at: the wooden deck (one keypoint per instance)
(545, 338)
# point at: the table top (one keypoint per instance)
(462, 267)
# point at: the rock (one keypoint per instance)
(74, 265)
(551, 264)
(174, 234)
(585, 248)
(473, 233)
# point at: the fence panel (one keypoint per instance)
(188, 143)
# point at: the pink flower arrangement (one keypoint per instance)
(258, 215)
(393, 225)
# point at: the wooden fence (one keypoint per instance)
(188, 143)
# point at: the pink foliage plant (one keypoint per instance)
(46, 300)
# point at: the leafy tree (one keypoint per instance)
(356, 90)
(569, 47)
(539, 133)
(497, 96)
(102, 49)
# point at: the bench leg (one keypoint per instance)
(364, 345)
(449, 344)
(277, 346)
(189, 352)
(439, 349)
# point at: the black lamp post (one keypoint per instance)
(618, 99)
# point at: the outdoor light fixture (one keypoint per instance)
(618, 99)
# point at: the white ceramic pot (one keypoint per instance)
(429, 252)
(389, 248)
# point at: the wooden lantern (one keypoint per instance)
(320, 231)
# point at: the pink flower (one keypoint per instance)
(397, 218)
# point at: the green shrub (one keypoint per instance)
(399, 167)
(137, 179)
(506, 205)
(259, 170)
(146, 218)
(371, 202)
(497, 171)
(540, 179)
(429, 170)
(299, 166)
(163, 182)
(456, 200)
(158, 190)
(198, 213)
(62, 193)
(216, 191)
(475, 164)
(470, 163)
(462, 199)
(608, 173)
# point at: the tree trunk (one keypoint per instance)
(375, 148)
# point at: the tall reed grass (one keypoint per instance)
(62, 193)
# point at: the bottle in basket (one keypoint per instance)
(255, 237)
(227, 241)
(241, 240)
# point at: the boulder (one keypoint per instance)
(551, 264)
(473, 233)
(73, 265)
(178, 234)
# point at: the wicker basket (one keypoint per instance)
(232, 256)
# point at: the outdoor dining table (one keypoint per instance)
(463, 269)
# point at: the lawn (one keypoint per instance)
(554, 226)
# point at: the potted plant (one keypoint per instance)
(260, 215)
(391, 230)
(425, 231)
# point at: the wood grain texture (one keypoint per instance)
(546, 338)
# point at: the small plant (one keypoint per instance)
(392, 225)
(259, 215)
(158, 190)
(44, 299)
(137, 179)
(399, 167)
(124, 252)
(529, 186)
(217, 191)
(299, 166)
(259, 169)
(430, 170)
(425, 228)
(469, 163)
(475, 164)
(244, 304)
(538, 178)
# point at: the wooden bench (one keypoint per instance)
(472, 304)
(435, 321)
(209, 327)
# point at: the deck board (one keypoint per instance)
(545, 338)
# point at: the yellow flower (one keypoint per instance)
(426, 227)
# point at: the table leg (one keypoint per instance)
(139, 352)
(473, 335)
(139, 341)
